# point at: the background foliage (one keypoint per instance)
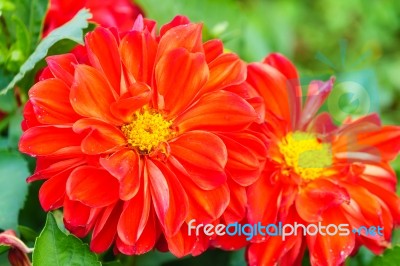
(355, 41)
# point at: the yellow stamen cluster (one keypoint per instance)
(305, 154)
(147, 130)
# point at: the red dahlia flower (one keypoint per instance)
(319, 172)
(143, 137)
(107, 13)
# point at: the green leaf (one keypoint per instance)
(14, 129)
(27, 233)
(391, 257)
(55, 248)
(72, 30)
(4, 249)
(13, 189)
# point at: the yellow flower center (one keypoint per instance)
(305, 154)
(147, 130)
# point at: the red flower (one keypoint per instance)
(107, 13)
(144, 137)
(318, 172)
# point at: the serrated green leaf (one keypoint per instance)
(391, 257)
(55, 248)
(72, 30)
(13, 189)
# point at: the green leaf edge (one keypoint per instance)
(80, 20)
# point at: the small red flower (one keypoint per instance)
(107, 13)
(143, 137)
(319, 172)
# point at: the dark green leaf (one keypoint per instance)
(55, 248)
(13, 189)
(27, 233)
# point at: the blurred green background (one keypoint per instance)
(356, 41)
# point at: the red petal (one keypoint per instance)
(47, 140)
(318, 196)
(125, 107)
(62, 67)
(176, 21)
(204, 205)
(263, 208)
(133, 219)
(236, 210)
(50, 101)
(92, 186)
(206, 167)
(330, 249)
(273, 87)
(243, 164)
(30, 119)
(125, 166)
(183, 36)
(212, 49)
(179, 76)
(318, 91)
(169, 198)
(103, 54)
(52, 192)
(91, 95)
(105, 229)
(287, 68)
(220, 111)
(225, 70)
(138, 51)
(102, 138)
(146, 241)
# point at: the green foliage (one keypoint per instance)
(71, 30)
(13, 172)
(55, 248)
(391, 257)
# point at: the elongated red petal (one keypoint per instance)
(103, 54)
(92, 186)
(169, 198)
(105, 229)
(225, 70)
(273, 87)
(91, 94)
(125, 166)
(205, 167)
(318, 92)
(102, 138)
(220, 111)
(212, 49)
(52, 192)
(179, 76)
(286, 67)
(331, 249)
(63, 67)
(138, 52)
(47, 140)
(52, 110)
